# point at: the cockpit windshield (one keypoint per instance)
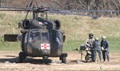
(44, 36)
(34, 36)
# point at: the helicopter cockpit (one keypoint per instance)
(34, 36)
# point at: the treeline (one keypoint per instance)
(70, 4)
(89, 4)
(24, 3)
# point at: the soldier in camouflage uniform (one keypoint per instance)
(89, 44)
(89, 41)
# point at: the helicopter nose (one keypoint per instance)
(45, 48)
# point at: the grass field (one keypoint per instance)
(76, 29)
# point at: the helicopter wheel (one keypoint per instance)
(60, 57)
(45, 58)
(63, 59)
(22, 57)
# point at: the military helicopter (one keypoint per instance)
(39, 36)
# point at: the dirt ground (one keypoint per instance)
(8, 61)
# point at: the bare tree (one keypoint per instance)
(70, 4)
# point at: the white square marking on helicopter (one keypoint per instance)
(45, 46)
(40, 23)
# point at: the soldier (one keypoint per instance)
(89, 43)
(96, 48)
(105, 48)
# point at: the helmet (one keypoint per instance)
(103, 37)
(91, 35)
(96, 38)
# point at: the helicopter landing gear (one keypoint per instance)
(45, 59)
(63, 58)
(22, 57)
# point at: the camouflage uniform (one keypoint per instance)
(89, 45)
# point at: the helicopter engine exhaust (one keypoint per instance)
(30, 24)
(23, 24)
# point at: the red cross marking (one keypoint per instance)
(45, 46)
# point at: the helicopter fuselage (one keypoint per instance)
(42, 39)
(39, 42)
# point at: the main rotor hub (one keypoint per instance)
(40, 9)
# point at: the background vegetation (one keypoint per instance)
(70, 5)
(76, 29)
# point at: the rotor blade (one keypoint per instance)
(94, 10)
(29, 6)
(3, 7)
(80, 11)
(31, 3)
(14, 10)
(59, 12)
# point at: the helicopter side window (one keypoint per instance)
(44, 36)
(26, 37)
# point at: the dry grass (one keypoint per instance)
(76, 28)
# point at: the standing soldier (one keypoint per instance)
(96, 48)
(105, 48)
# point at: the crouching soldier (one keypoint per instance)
(105, 48)
(89, 46)
(89, 41)
(96, 48)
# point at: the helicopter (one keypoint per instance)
(39, 36)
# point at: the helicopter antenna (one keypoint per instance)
(29, 6)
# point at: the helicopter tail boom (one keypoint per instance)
(10, 37)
